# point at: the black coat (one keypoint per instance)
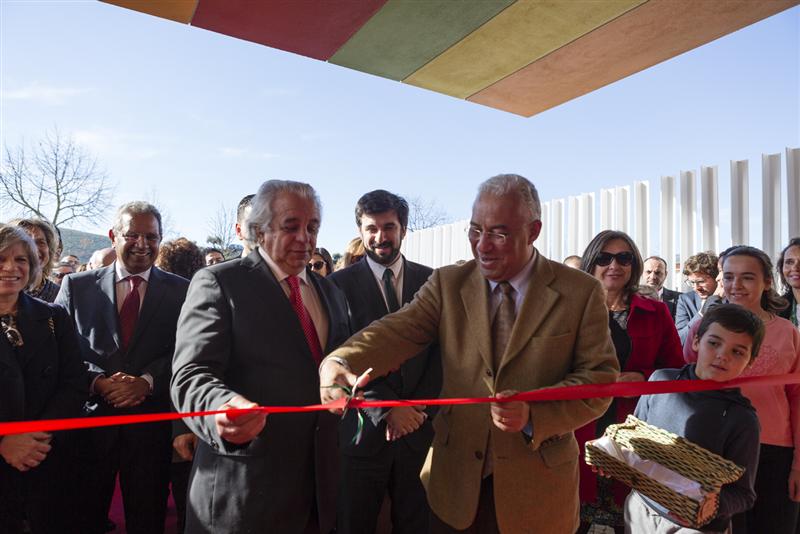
(418, 378)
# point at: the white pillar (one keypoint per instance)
(641, 202)
(740, 202)
(793, 190)
(709, 211)
(586, 218)
(573, 226)
(667, 227)
(688, 212)
(543, 243)
(771, 204)
(557, 233)
(622, 208)
(606, 209)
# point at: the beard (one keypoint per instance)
(383, 260)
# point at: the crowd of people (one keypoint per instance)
(146, 326)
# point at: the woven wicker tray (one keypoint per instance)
(673, 452)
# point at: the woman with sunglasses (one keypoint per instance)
(645, 339)
(41, 377)
(748, 281)
(321, 262)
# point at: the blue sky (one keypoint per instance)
(194, 119)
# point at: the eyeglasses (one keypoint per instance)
(133, 237)
(316, 265)
(604, 259)
(698, 282)
(496, 238)
(60, 275)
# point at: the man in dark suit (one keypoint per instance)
(125, 315)
(253, 332)
(653, 274)
(390, 451)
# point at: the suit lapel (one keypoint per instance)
(270, 291)
(475, 296)
(411, 281)
(106, 284)
(535, 308)
(374, 296)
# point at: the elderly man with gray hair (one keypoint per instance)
(253, 332)
(126, 315)
(510, 320)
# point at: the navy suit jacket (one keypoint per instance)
(418, 378)
(90, 298)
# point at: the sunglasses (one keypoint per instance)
(316, 265)
(604, 259)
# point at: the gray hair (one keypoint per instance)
(513, 184)
(49, 232)
(260, 217)
(137, 207)
(12, 235)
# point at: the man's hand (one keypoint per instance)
(184, 445)
(403, 420)
(794, 485)
(332, 372)
(123, 390)
(25, 451)
(510, 416)
(631, 376)
(242, 428)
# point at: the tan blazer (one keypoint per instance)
(560, 338)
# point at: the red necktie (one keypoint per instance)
(129, 312)
(306, 322)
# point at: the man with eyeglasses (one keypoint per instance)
(386, 455)
(510, 320)
(126, 315)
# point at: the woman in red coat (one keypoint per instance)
(645, 339)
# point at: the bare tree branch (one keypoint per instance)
(424, 213)
(59, 181)
(222, 232)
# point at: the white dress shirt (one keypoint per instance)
(397, 268)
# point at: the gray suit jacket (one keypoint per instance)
(238, 334)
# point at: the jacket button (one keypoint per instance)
(489, 372)
(479, 455)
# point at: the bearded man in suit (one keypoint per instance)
(253, 332)
(511, 320)
(389, 452)
(126, 315)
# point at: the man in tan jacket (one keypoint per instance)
(509, 321)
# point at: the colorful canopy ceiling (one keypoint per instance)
(521, 56)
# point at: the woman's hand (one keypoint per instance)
(25, 451)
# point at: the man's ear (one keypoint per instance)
(111, 236)
(536, 229)
(696, 343)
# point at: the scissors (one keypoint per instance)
(355, 390)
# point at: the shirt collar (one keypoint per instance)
(520, 281)
(378, 269)
(277, 271)
(122, 272)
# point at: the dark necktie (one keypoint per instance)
(129, 313)
(304, 317)
(391, 293)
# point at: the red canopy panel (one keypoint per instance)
(313, 28)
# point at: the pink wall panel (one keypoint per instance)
(313, 28)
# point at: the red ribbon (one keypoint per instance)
(576, 392)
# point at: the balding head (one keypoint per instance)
(102, 258)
